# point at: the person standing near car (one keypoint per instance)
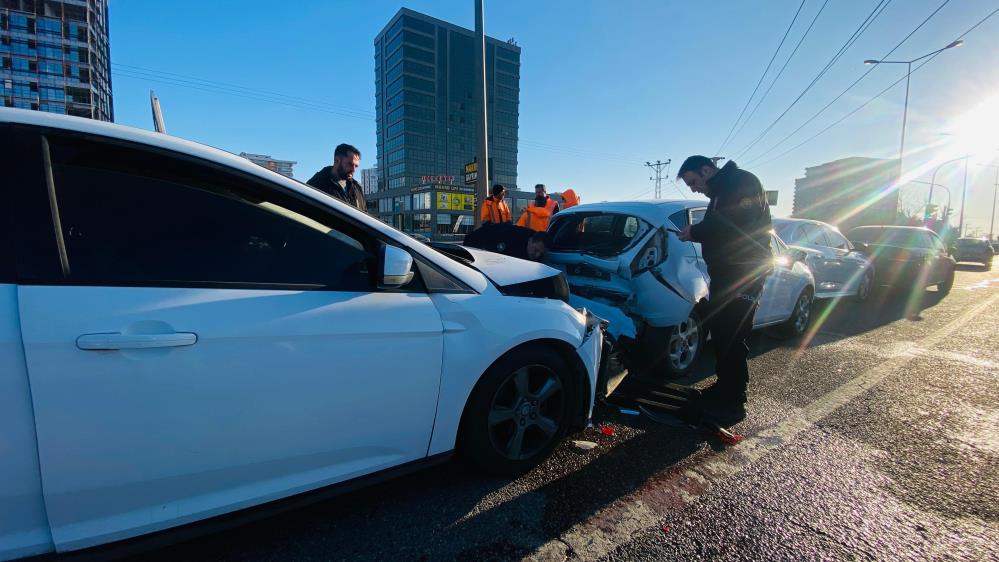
(539, 212)
(338, 180)
(494, 208)
(735, 242)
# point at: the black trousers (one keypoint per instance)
(730, 321)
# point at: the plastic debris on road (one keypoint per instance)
(608, 431)
(629, 412)
(584, 445)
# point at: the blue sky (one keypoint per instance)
(604, 86)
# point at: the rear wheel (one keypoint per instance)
(683, 346)
(796, 325)
(519, 411)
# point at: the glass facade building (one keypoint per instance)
(55, 57)
(427, 120)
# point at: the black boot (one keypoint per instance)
(721, 407)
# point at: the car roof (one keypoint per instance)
(891, 227)
(653, 211)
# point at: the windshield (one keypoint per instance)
(603, 234)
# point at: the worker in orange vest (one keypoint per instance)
(494, 209)
(538, 212)
(569, 198)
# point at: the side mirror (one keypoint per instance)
(862, 248)
(397, 268)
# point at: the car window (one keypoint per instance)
(785, 230)
(599, 233)
(811, 234)
(680, 219)
(135, 217)
(697, 215)
(935, 242)
(835, 239)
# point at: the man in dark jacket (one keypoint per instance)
(509, 239)
(735, 242)
(338, 180)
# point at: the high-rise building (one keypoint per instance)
(369, 180)
(56, 57)
(848, 193)
(427, 121)
(283, 167)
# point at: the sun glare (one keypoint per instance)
(974, 132)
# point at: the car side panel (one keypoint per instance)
(24, 527)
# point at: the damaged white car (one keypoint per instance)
(625, 263)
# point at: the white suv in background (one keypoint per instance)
(184, 333)
(839, 269)
(625, 263)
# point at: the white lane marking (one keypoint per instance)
(615, 525)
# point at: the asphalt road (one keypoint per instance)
(877, 439)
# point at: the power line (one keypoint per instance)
(781, 72)
(226, 85)
(850, 87)
(762, 76)
(879, 94)
(875, 13)
(238, 93)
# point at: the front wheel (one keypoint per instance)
(796, 325)
(519, 411)
(947, 284)
(866, 286)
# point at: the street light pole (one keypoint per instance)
(905, 109)
(964, 195)
(481, 89)
(933, 179)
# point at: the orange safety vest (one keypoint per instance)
(495, 212)
(536, 218)
(569, 199)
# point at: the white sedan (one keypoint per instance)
(625, 263)
(184, 334)
(840, 269)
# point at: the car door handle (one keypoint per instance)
(106, 342)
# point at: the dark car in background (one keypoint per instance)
(975, 250)
(906, 256)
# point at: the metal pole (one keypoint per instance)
(481, 89)
(905, 115)
(964, 195)
(995, 192)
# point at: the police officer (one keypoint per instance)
(735, 242)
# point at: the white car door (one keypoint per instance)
(777, 302)
(198, 341)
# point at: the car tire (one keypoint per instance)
(945, 287)
(988, 265)
(519, 411)
(683, 347)
(797, 324)
(866, 286)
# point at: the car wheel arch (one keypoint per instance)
(565, 352)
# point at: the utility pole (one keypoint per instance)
(657, 168)
(995, 192)
(154, 103)
(481, 89)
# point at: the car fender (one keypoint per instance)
(479, 329)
